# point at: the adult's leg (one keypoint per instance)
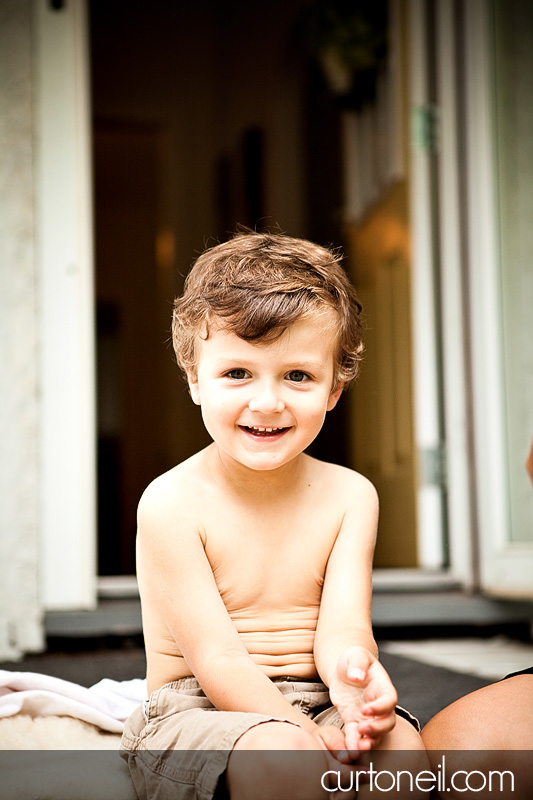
(488, 732)
(496, 717)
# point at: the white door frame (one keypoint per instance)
(426, 356)
(506, 569)
(64, 231)
(462, 530)
(481, 555)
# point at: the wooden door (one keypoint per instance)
(381, 401)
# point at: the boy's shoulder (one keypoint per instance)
(344, 482)
(176, 490)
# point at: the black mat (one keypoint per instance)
(424, 689)
(85, 666)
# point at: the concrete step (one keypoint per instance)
(392, 609)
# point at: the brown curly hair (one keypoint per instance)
(257, 285)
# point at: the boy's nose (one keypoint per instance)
(266, 401)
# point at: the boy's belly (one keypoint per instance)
(283, 648)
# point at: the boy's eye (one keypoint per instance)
(297, 376)
(237, 374)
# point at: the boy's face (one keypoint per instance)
(263, 404)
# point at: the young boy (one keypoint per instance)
(254, 559)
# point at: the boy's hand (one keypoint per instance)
(365, 697)
(333, 741)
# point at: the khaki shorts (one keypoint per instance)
(177, 743)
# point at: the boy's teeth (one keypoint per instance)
(265, 430)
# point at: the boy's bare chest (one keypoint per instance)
(270, 562)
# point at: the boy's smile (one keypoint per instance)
(264, 403)
(263, 432)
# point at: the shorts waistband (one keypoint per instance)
(190, 682)
(182, 683)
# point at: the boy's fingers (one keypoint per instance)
(367, 744)
(352, 738)
(333, 738)
(383, 705)
(356, 675)
(334, 741)
(377, 727)
(356, 661)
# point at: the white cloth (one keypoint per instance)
(107, 704)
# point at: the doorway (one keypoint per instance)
(203, 118)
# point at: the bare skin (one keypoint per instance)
(255, 551)
(271, 583)
(496, 717)
(267, 559)
(490, 729)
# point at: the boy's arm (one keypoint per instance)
(173, 560)
(345, 652)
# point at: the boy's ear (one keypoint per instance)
(334, 397)
(194, 388)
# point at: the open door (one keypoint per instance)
(396, 408)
